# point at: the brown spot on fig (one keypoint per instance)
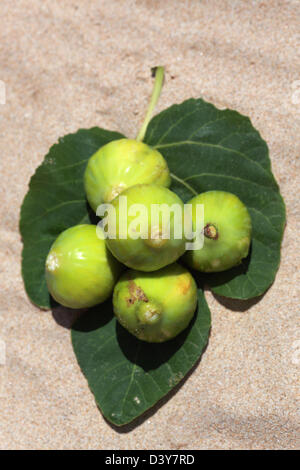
(211, 231)
(184, 285)
(136, 293)
(130, 301)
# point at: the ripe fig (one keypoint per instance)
(156, 306)
(119, 165)
(80, 270)
(146, 241)
(227, 232)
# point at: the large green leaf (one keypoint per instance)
(55, 201)
(207, 149)
(126, 375)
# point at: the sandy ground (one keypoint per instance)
(71, 64)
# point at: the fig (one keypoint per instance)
(227, 232)
(156, 306)
(152, 239)
(119, 165)
(80, 270)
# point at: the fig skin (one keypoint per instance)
(227, 225)
(157, 306)
(119, 165)
(147, 254)
(80, 270)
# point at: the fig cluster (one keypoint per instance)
(154, 296)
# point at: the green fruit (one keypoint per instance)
(157, 306)
(150, 243)
(80, 271)
(227, 232)
(119, 165)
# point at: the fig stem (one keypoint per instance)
(158, 84)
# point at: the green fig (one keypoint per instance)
(80, 271)
(227, 232)
(156, 306)
(147, 242)
(119, 165)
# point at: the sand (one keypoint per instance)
(67, 65)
